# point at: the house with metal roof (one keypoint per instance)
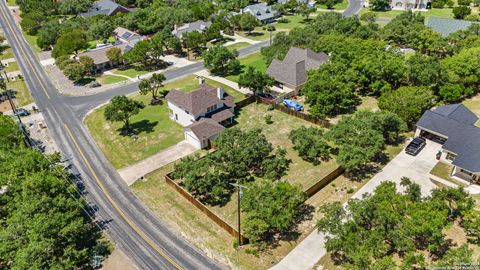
(291, 72)
(203, 112)
(263, 13)
(445, 27)
(454, 127)
(104, 7)
(199, 26)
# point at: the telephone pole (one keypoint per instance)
(239, 197)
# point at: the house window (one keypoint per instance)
(450, 156)
(212, 108)
(466, 172)
(176, 117)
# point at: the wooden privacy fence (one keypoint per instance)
(220, 222)
(323, 182)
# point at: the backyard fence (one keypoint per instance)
(245, 102)
(220, 222)
(323, 182)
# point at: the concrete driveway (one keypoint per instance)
(417, 168)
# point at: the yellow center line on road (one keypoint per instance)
(110, 199)
(25, 54)
(102, 187)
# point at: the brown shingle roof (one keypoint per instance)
(205, 128)
(293, 69)
(99, 55)
(198, 101)
(222, 115)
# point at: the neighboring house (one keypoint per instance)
(264, 13)
(105, 7)
(203, 112)
(454, 127)
(298, 1)
(447, 26)
(409, 4)
(291, 72)
(198, 26)
(125, 41)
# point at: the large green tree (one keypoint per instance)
(255, 80)
(310, 144)
(270, 209)
(219, 60)
(120, 109)
(44, 221)
(408, 102)
(70, 42)
(152, 85)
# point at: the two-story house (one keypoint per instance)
(203, 112)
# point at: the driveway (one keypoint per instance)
(133, 172)
(417, 168)
(306, 254)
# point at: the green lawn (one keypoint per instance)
(301, 172)
(155, 130)
(293, 21)
(32, 40)
(131, 72)
(443, 171)
(110, 79)
(12, 66)
(340, 6)
(254, 60)
(237, 46)
(11, 2)
(7, 54)
(473, 104)
(21, 91)
(434, 12)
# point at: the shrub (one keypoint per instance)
(66, 63)
(461, 12)
(268, 119)
(350, 190)
(438, 4)
(472, 17)
(464, 2)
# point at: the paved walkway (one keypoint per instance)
(417, 168)
(133, 172)
(234, 85)
(237, 39)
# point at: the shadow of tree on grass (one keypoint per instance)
(138, 127)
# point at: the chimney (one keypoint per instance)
(220, 92)
(201, 80)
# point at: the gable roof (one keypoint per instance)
(198, 26)
(447, 26)
(457, 123)
(197, 102)
(205, 128)
(125, 34)
(293, 69)
(103, 7)
(261, 11)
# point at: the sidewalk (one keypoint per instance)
(133, 172)
(204, 73)
(238, 39)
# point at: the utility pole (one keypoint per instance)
(22, 127)
(239, 195)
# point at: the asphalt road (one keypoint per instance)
(84, 104)
(131, 225)
(354, 6)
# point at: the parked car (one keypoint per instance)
(291, 104)
(415, 146)
(21, 112)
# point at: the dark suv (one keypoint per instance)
(415, 146)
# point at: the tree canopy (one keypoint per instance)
(120, 109)
(221, 61)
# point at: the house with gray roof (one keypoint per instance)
(409, 4)
(105, 7)
(454, 127)
(199, 26)
(203, 112)
(445, 27)
(125, 40)
(291, 72)
(263, 13)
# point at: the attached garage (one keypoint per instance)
(432, 136)
(201, 133)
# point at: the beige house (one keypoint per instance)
(291, 72)
(454, 127)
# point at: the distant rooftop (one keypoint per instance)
(198, 26)
(104, 7)
(261, 11)
(445, 27)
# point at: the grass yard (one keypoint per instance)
(32, 40)
(155, 131)
(473, 104)
(110, 79)
(237, 46)
(131, 72)
(443, 171)
(12, 66)
(7, 54)
(254, 60)
(434, 12)
(293, 22)
(301, 172)
(22, 94)
(11, 2)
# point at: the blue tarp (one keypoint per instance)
(292, 104)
